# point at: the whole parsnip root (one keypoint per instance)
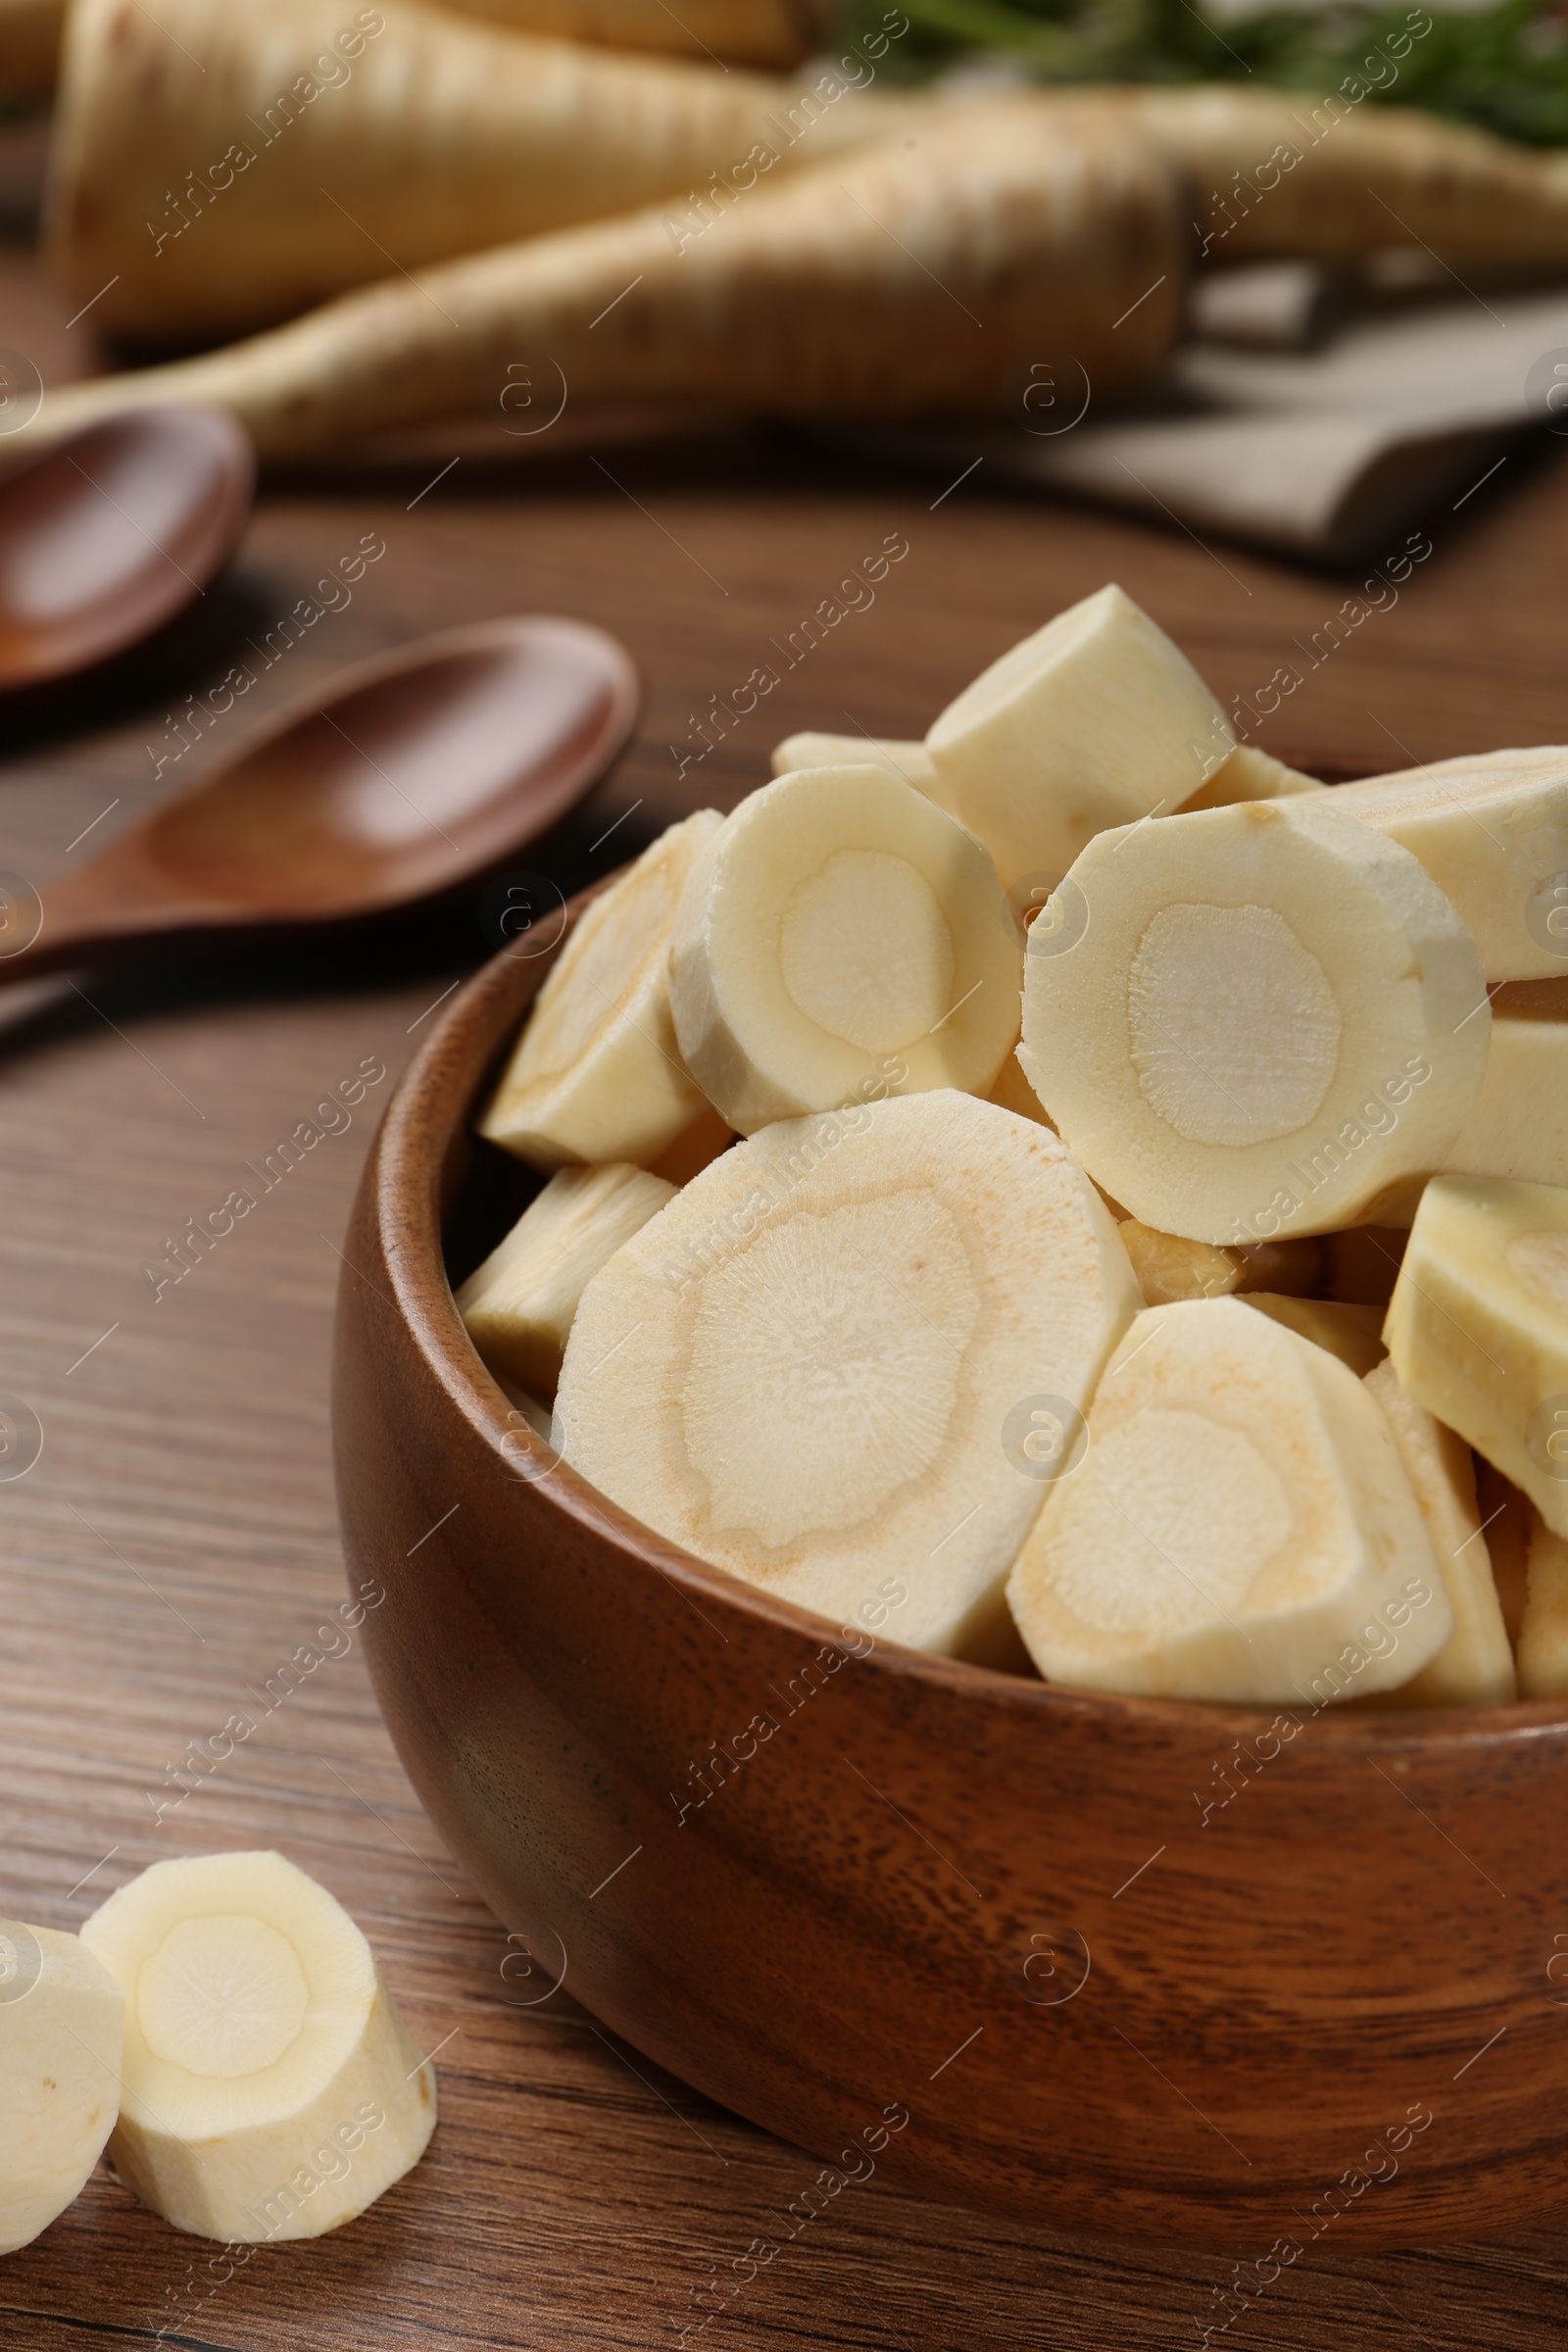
(1328, 180)
(748, 33)
(893, 282)
(225, 167)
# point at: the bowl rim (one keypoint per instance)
(431, 1102)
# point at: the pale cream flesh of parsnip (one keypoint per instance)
(597, 1074)
(1240, 1527)
(1475, 1668)
(1519, 1126)
(858, 1345)
(1478, 1326)
(272, 2091)
(61, 2027)
(1491, 831)
(1544, 1625)
(1258, 1021)
(839, 937)
(1095, 721)
(519, 1305)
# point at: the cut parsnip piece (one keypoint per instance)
(856, 1345)
(1169, 1268)
(1248, 774)
(1240, 1528)
(1543, 1630)
(1352, 1333)
(1475, 1667)
(840, 937)
(1478, 1326)
(271, 2088)
(1095, 721)
(1249, 1024)
(1013, 1091)
(1492, 832)
(518, 1306)
(597, 1074)
(909, 761)
(61, 2026)
(1519, 1126)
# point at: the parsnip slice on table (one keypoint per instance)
(61, 2026)
(1096, 719)
(1476, 1666)
(272, 2091)
(836, 930)
(1240, 1528)
(518, 1306)
(847, 1350)
(1255, 1021)
(1492, 830)
(1478, 1326)
(1519, 1126)
(597, 1074)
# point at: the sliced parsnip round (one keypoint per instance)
(1248, 774)
(271, 2087)
(1519, 1126)
(1475, 1667)
(60, 2025)
(1249, 1024)
(849, 1350)
(1240, 1528)
(840, 936)
(1492, 830)
(1096, 719)
(1354, 1334)
(518, 1306)
(597, 1074)
(1478, 1326)
(910, 762)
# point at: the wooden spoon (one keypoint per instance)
(107, 536)
(412, 774)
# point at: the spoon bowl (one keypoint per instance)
(105, 537)
(407, 777)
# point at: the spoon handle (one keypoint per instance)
(92, 917)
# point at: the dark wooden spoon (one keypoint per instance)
(106, 537)
(409, 776)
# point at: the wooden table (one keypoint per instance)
(175, 1542)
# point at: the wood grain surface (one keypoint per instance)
(176, 1545)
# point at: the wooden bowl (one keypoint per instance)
(1136, 1967)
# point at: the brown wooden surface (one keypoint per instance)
(176, 1542)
